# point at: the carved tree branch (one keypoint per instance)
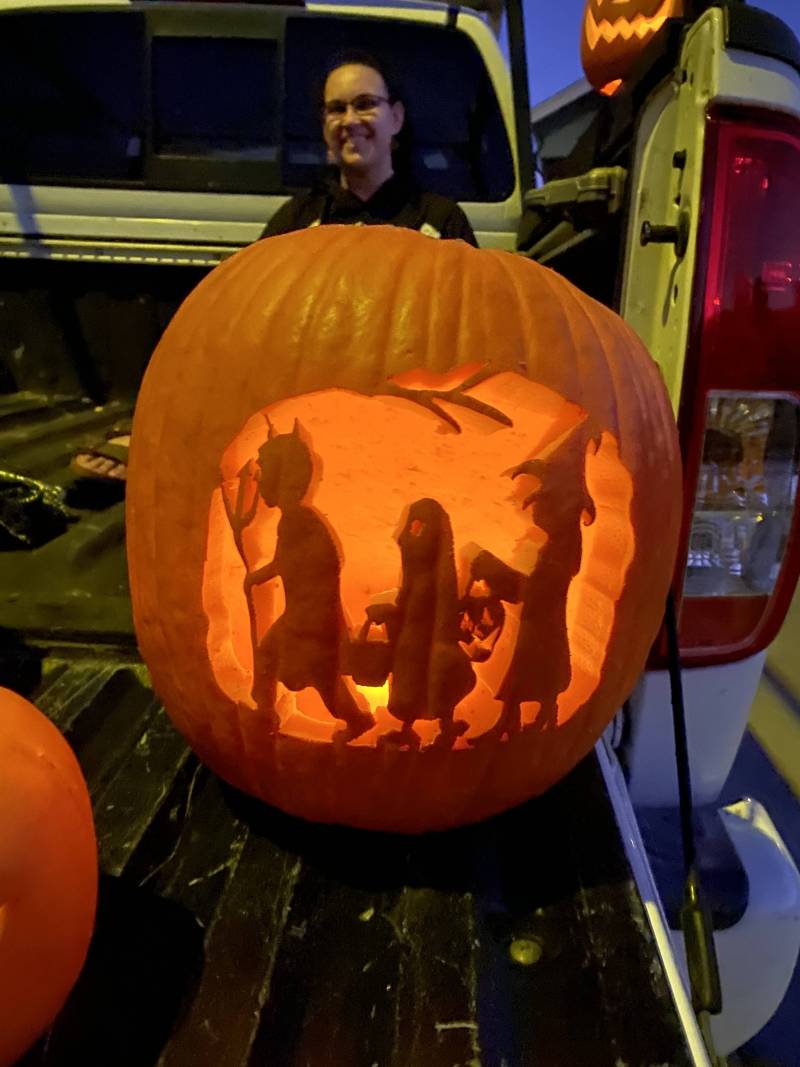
(428, 398)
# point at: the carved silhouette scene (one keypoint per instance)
(474, 629)
(305, 646)
(540, 666)
(430, 671)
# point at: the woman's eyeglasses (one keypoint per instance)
(364, 105)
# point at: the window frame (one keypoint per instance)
(189, 173)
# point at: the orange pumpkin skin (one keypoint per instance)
(48, 873)
(615, 33)
(304, 330)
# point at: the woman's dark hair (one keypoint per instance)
(357, 57)
(401, 153)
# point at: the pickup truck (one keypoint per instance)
(142, 143)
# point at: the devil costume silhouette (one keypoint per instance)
(540, 666)
(430, 671)
(307, 644)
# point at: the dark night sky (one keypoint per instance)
(553, 29)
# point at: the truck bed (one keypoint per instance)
(229, 934)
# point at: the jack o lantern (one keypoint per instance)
(616, 32)
(401, 519)
(48, 873)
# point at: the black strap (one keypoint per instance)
(696, 922)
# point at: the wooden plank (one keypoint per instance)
(73, 689)
(566, 948)
(333, 998)
(27, 444)
(191, 846)
(437, 1020)
(109, 727)
(376, 961)
(125, 809)
(23, 406)
(239, 950)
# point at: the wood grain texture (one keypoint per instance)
(231, 935)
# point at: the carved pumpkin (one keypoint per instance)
(616, 32)
(48, 873)
(401, 519)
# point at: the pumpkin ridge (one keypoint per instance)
(447, 268)
(595, 325)
(195, 341)
(493, 269)
(401, 271)
(598, 321)
(570, 385)
(653, 537)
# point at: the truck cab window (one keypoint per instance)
(193, 117)
(71, 96)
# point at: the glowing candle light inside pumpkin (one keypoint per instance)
(404, 519)
(377, 695)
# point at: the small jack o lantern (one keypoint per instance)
(401, 520)
(48, 873)
(616, 32)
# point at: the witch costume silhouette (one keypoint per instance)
(540, 666)
(307, 645)
(430, 672)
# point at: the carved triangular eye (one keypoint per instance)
(616, 32)
(296, 428)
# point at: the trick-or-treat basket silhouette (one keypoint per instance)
(370, 660)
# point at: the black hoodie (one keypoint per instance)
(398, 202)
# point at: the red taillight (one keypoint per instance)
(740, 407)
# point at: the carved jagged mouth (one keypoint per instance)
(639, 26)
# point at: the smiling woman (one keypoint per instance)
(361, 120)
(364, 128)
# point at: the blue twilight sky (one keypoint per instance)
(553, 31)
